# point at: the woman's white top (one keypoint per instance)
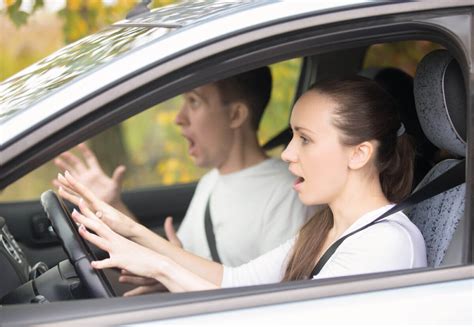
(394, 243)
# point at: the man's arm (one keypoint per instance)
(90, 173)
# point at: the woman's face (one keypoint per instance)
(315, 154)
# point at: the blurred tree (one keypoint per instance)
(404, 55)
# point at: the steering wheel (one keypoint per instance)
(75, 247)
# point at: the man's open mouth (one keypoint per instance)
(191, 144)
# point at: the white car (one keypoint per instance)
(113, 76)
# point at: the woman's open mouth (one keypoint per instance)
(297, 184)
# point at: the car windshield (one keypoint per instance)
(20, 91)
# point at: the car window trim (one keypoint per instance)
(165, 306)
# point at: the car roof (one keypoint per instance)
(77, 72)
(128, 47)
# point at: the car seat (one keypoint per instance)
(440, 98)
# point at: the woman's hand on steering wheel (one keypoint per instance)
(122, 252)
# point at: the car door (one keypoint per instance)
(373, 292)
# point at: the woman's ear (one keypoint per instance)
(239, 113)
(360, 155)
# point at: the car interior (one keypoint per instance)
(38, 268)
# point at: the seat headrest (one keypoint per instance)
(440, 98)
(400, 86)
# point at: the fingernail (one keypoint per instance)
(74, 211)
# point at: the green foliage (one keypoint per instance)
(404, 55)
(16, 15)
(276, 116)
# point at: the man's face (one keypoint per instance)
(205, 123)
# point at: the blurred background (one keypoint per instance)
(149, 144)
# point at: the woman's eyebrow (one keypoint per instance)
(302, 129)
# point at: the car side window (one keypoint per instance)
(152, 148)
(404, 55)
(155, 151)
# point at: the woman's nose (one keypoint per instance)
(288, 155)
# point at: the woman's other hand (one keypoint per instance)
(77, 193)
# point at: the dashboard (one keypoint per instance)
(14, 267)
(22, 283)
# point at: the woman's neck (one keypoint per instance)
(357, 199)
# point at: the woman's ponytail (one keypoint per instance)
(396, 173)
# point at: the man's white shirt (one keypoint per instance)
(253, 211)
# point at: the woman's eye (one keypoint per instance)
(304, 140)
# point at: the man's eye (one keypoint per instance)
(192, 102)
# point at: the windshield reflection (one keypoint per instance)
(23, 89)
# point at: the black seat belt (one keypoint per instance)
(451, 178)
(209, 228)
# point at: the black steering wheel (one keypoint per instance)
(75, 247)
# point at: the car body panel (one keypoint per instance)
(407, 306)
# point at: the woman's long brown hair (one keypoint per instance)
(365, 112)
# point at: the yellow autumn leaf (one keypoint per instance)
(165, 118)
(94, 4)
(73, 5)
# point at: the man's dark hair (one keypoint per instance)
(252, 88)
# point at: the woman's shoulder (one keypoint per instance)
(392, 228)
(394, 234)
